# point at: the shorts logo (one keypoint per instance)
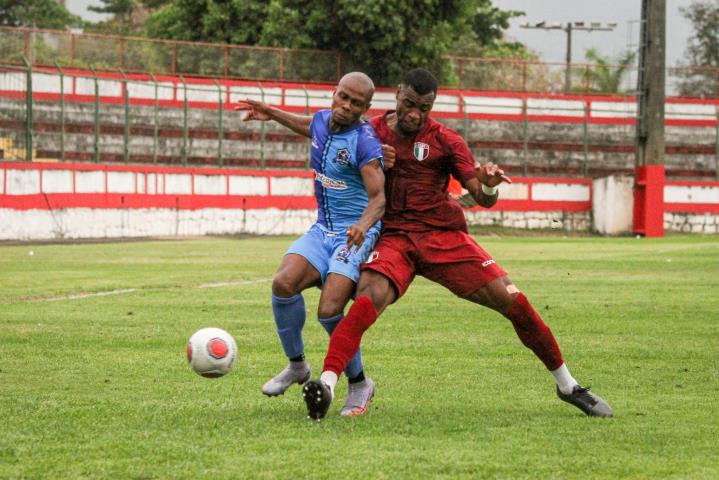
(343, 157)
(487, 263)
(421, 151)
(372, 257)
(344, 255)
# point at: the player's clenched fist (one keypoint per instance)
(389, 154)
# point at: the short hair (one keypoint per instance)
(421, 80)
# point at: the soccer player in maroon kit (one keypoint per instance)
(425, 233)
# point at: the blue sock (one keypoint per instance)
(290, 319)
(355, 366)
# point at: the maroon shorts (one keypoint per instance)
(449, 257)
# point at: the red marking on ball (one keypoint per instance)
(189, 352)
(217, 348)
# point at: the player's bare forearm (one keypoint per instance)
(373, 177)
(263, 112)
(299, 124)
(475, 189)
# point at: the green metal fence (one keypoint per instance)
(146, 55)
(33, 127)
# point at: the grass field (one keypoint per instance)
(97, 386)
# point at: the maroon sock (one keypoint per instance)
(345, 340)
(534, 333)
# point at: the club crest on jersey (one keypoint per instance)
(421, 151)
(343, 157)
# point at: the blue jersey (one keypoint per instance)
(337, 158)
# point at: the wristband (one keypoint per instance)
(491, 191)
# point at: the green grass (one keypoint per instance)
(98, 387)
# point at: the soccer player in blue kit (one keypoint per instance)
(347, 160)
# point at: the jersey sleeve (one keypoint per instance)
(463, 163)
(317, 121)
(368, 147)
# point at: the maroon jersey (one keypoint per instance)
(416, 188)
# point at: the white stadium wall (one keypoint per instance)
(42, 201)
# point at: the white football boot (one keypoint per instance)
(358, 397)
(295, 372)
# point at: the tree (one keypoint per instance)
(128, 16)
(701, 79)
(606, 76)
(381, 38)
(36, 13)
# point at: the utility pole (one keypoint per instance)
(568, 28)
(650, 143)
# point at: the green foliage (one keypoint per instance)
(36, 13)
(703, 50)
(382, 38)
(605, 76)
(98, 387)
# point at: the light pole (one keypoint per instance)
(568, 28)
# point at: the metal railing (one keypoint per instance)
(171, 57)
(165, 125)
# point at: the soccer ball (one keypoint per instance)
(211, 352)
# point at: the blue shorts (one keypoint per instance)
(327, 251)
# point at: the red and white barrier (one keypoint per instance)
(79, 85)
(66, 200)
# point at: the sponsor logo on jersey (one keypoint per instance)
(343, 157)
(487, 263)
(328, 182)
(421, 151)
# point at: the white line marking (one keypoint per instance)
(79, 296)
(86, 295)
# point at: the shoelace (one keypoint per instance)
(583, 394)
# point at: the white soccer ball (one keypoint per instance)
(211, 352)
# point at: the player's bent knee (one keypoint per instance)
(282, 286)
(330, 309)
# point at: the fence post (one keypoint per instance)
(183, 151)
(309, 112)
(122, 53)
(262, 131)
(338, 65)
(96, 140)
(716, 146)
(282, 64)
(465, 119)
(28, 110)
(585, 136)
(525, 136)
(524, 76)
(126, 129)
(154, 139)
(220, 132)
(62, 111)
(226, 60)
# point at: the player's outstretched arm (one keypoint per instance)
(483, 187)
(373, 178)
(255, 110)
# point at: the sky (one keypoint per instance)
(551, 45)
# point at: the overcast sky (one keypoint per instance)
(551, 45)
